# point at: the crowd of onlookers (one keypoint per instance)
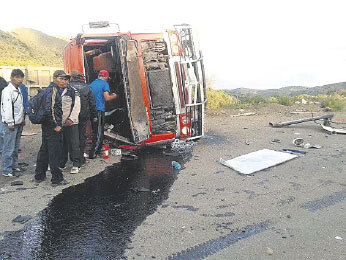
(67, 104)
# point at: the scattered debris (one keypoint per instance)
(24, 133)
(116, 152)
(21, 219)
(15, 183)
(302, 112)
(332, 130)
(156, 191)
(315, 146)
(298, 142)
(293, 151)
(338, 238)
(270, 251)
(276, 141)
(326, 121)
(182, 146)
(244, 114)
(176, 165)
(257, 161)
(23, 164)
(140, 189)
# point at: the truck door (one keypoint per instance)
(137, 113)
(73, 57)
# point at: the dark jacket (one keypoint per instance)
(88, 107)
(3, 84)
(53, 108)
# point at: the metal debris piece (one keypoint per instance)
(140, 189)
(276, 141)
(298, 142)
(15, 183)
(293, 151)
(326, 121)
(257, 161)
(21, 219)
(243, 114)
(182, 146)
(332, 130)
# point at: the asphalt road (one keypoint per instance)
(295, 210)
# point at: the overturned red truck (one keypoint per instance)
(159, 78)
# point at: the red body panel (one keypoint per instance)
(74, 61)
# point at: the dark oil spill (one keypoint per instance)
(96, 219)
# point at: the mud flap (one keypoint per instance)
(133, 90)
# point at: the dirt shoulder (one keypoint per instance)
(29, 199)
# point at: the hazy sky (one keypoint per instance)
(254, 44)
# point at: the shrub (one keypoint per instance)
(218, 99)
(273, 100)
(284, 100)
(335, 102)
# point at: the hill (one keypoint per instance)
(25, 46)
(291, 91)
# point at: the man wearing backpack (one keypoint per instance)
(88, 109)
(51, 146)
(12, 112)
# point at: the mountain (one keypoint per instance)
(291, 91)
(23, 46)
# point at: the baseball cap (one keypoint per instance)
(61, 73)
(104, 73)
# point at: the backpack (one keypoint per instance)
(36, 108)
(3, 84)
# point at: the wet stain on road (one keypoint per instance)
(96, 219)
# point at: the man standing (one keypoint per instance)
(100, 88)
(70, 112)
(88, 109)
(25, 96)
(12, 112)
(51, 131)
(3, 84)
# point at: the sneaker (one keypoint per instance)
(17, 169)
(39, 180)
(8, 175)
(62, 168)
(60, 183)
(75, 170)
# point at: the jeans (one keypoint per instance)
(49, 152)
(82, 139)
(98, 134)
(1, 134)
(70, 146)
(9, 158)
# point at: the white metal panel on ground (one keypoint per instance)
(257, 161)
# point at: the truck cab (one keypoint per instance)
(159, 79)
